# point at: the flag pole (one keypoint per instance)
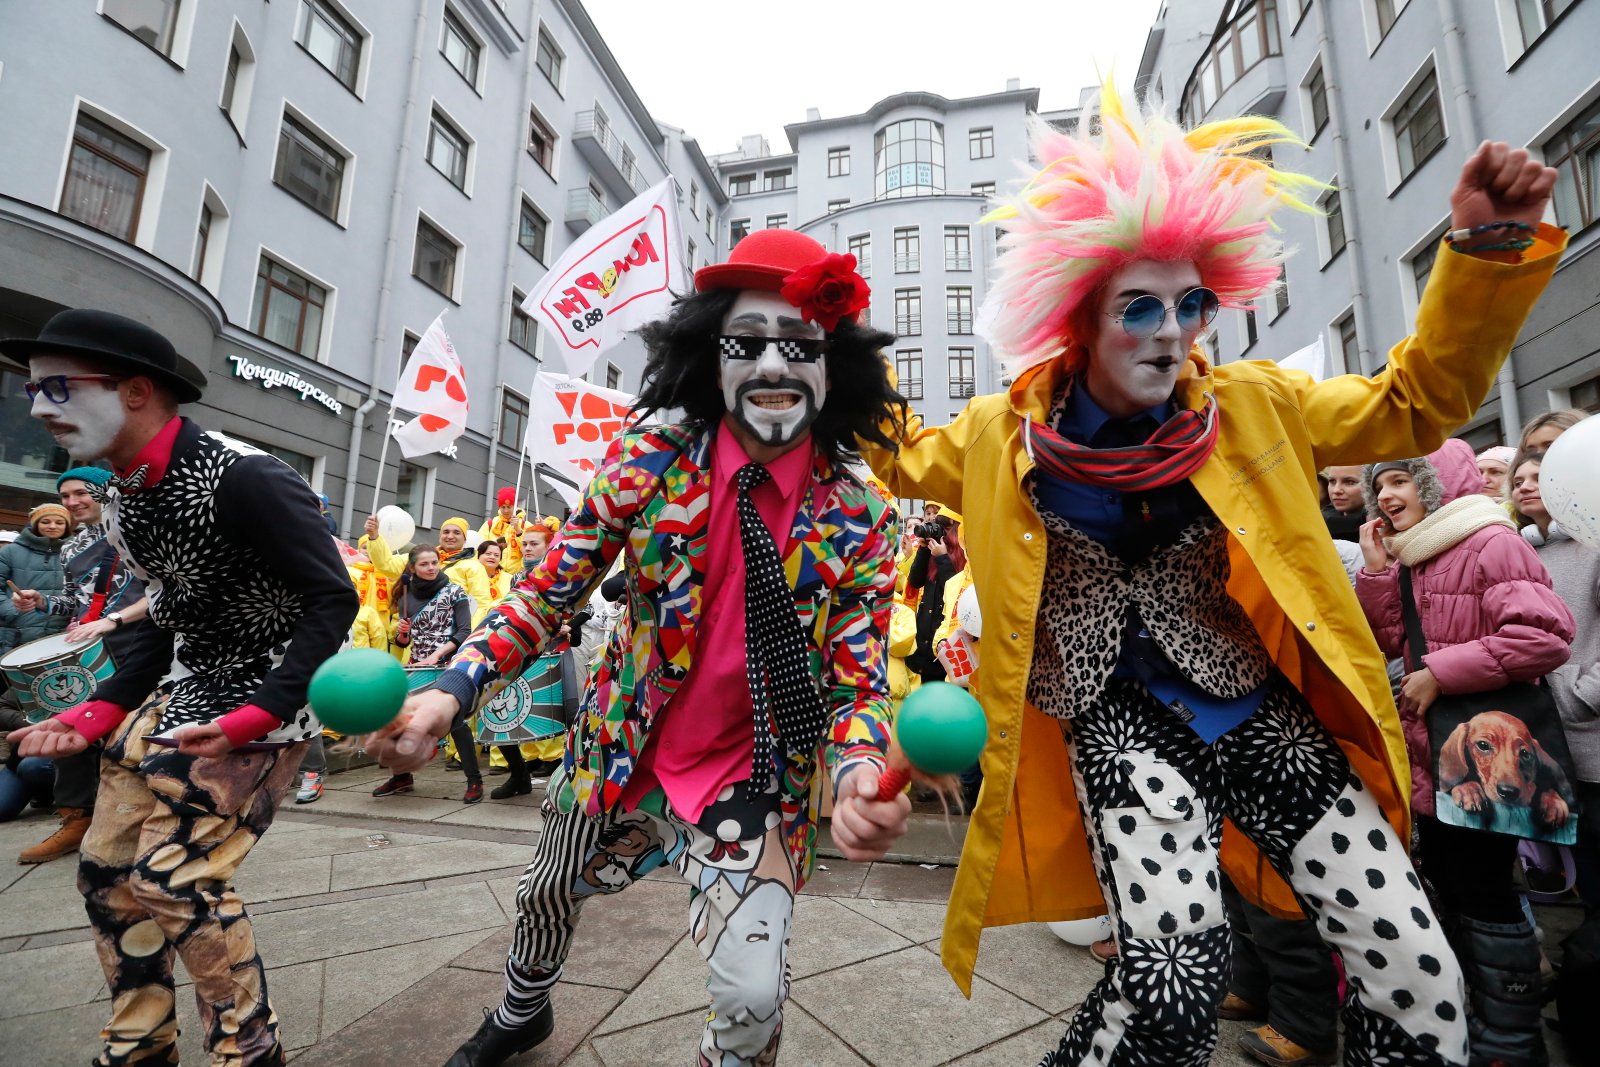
(533, 460)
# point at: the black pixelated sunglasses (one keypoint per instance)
(792, 349)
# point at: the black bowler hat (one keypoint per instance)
(127, 345)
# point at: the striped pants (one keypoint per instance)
(1153, 796)
(741, 900)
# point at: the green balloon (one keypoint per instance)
(358, 690)
(941, 728)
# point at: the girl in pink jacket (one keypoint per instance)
(1489, 618)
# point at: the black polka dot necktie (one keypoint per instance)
(777, 654)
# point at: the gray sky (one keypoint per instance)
(721, 70)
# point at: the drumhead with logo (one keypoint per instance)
(526, 709)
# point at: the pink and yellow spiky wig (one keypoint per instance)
(1144, 189)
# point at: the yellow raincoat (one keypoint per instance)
(1025, 857)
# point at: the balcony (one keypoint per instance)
(958, 323)
(611, 158)
(962, 388)
(958, 261)
(584, 209)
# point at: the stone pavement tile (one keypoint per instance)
(314, 933)
(29, 828)
(12, 872)
(1036, 965)
(826, 934)
(58, 872)
(677, 985)
(34, 911)
(909, 918)
(917, 1015)
(671, 1042)
(842, 878)
(1026, 1047)
(12, 944)
(410, 808)
(505, 891)
(584, 1057)
(40, 979)
(318, 839)
(360, 778)
(359, 982)
(385, 866)
(260, 880)
(908, 881)
(65, 1037)
(501, 814)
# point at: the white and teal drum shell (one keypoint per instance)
(52, 674)
(528, 708)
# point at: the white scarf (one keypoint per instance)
(1447, 528)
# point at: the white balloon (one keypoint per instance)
(1082, 931)
(474, 539)
(396, 527)
(1569, 484)
(967, 612)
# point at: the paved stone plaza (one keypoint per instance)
(385, 923)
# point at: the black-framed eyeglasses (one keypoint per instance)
(55, 387)
(1145, 315)
(792, 349)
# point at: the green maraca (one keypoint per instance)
(940, 730)
(358, 691)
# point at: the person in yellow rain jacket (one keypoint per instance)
(1196, 651)
(461, 565)
(507, 525)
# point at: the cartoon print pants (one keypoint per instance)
(1153, 796)
(741, 899)
(156, 871)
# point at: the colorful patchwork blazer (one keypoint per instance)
(650, 500)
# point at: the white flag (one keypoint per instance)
(433, 386)
(1312, 359)
(615, 278)
(571, 423)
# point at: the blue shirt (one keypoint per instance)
(1099, 512)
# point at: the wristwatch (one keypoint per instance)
(114, 618)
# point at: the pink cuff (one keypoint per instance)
(247, 723)
(95, 718)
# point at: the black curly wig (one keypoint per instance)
(681, 374)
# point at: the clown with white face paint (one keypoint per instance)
(78, 403)
(711, 765)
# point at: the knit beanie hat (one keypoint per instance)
(456, 520)
(506, 496)
(46, 510)
(1498, 453)
(92, 475)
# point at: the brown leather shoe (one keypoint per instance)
(1236, 1007)
(64, 842)
(1104, 950)
(1268, 1046)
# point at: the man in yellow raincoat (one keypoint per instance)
(1170, 638)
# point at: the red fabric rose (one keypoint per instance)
(828, 290)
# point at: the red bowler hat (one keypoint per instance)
(761, 261)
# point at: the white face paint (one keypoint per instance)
(90, 419)
(771, 398)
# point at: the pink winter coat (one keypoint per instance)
(1489, 617)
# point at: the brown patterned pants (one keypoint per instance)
(156, 874)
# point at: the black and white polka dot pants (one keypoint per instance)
(1153, 796)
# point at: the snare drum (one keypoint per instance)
(51, 674)
(528, 708)
(419, 678)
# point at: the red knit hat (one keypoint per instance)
(506, 495)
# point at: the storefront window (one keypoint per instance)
(303, 465)
(29, 456)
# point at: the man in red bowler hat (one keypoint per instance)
(760, 574)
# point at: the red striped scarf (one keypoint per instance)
(1174, 452)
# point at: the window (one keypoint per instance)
(1333, 223)
(201, 239)
(305, 466)
(152, 21)
(1349, 346)
(330, 39)
(460, 48)
(838, 162)
(1384, 9)
(1250, 334)
(532, 231)
(963, 370)
(836, 206)
(1418, 125)
(308, 168)
(774, 180)
(738, 230)
(689, 258)
(740, 184)
(980, 143)
(1585, 395)
(694, 200)
(105, 181)
(513, 418)
(1239, 46)
(613, 376)
(1317, 94)
(777, 222)
(907, 250)
(908, 312)
(958, 309)
(908, 369)
(433, 260)
(549, 58)
(983, 188)
(522, 332)
(957, 248)
(1280, 294)
(541, 142)
(1535, 16)
(908, 159)
(861, 247)
(711, 227)
(230, 78)
(1422, 264)
(288, 308)
(408, 345)
(447, 150)
(411, 489)
(1575, 154)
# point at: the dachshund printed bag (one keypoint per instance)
(1500, 758)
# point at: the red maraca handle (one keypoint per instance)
(891, 782)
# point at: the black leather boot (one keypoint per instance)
(518, 785)
(1501, 962)
(492, 1045)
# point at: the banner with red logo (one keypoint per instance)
(615, 278)
(572, 423)
(433, 385)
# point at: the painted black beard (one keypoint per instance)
(777, 436)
